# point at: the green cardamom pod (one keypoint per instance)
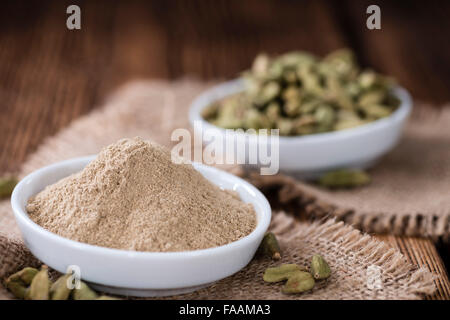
(298, 282)
(286, 126)
(16, 287)
(40, 286)
(319, 267)
(27, 274)
(260, 65)
(17, 283)
(348, 123)
(290, 76)
(325, 117)
(371, 97)
(281, 273)
(7, 185)
(367, 79)
(269, 246)
(269, 92)
(107, 298)
(210, 112)
(344, 179)
(376, 111)
(253, 119)
(84, 293)
(273, 112)
(292, 108)
(59, 289)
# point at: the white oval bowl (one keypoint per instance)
(131, 272)
(311, 155)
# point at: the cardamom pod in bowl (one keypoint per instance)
(330, 114)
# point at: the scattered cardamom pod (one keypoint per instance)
(16, 287)
(84, 293)
(7, 185)
(319, 267)
(33, 284)
(27, 274)
(287, 91)
(59, 289)
(281, 273)
(298, 282)
(40, 286)
(344, 179)
(17, 283)
(269, 246)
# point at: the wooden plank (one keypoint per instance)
(221, 38)
(412, 45)
(50, 75)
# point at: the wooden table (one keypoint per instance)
(50, 75)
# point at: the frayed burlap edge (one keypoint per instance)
(375, 252)
(436, 226)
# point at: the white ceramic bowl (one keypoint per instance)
(311, 155)
(139, 273)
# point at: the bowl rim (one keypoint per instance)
(261, 225)
(237, 85)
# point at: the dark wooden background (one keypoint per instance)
(50, 75)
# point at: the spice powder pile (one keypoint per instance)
(133, 197)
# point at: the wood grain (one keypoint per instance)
(422, 253)
(50, 75)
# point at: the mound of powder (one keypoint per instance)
(133, 197)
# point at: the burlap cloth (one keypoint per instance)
(409, 195)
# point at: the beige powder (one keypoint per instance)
(133, 197)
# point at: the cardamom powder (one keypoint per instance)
(133, 197)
